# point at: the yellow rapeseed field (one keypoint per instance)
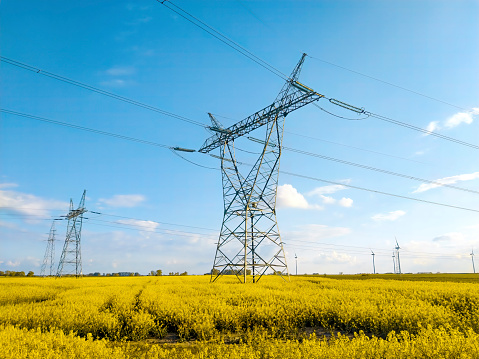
(187, 317)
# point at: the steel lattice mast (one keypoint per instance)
(249, 219)
(49, 252)
(70, 260)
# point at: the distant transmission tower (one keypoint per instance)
(49, 252)
(249, 241)
(472, 257)
(70, 260)
(374, 266)
(397, 266)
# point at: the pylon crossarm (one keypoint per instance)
(292, 101)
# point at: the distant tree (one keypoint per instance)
(215, 271)
(20, 274)
(184, 273)
(159, 272)
(2, 273)
(137, 274)
(115, 274)
(152, 272)
(131, 274)
(30, 274)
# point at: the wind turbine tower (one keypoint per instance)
(296, 259)
(49, 252)
(394, 262)
(397, 266)
(374, 266)
(472, 257)
(70, 260)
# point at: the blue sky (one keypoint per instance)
(160, 211)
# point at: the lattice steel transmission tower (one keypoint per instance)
(397, 265)
(70, 260)
(249, 217)
(49, 252)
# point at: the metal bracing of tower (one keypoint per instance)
(70, 260)
(49, 252)
(397, 265)
(249, 243)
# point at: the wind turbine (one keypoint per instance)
(472, 257)
(374, 266)
(296, 258)
(398, 262)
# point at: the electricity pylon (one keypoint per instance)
(70, 260)
(249, 217)
(397, 266)
(49, 252)
(374, 266)
(472, 257)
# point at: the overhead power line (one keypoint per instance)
(370, 168)
(202, 25)
(223, 38)
(389, 83)
(83, 128)
(97, 90)
(289, 173)
(375, 191)
(416, 128)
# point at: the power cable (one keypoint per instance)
(289, 173)
(416, 128)
(377, 169)
(193, 163)
(270, 67)
(335, 143)
(389, 83)
(100, 91)
(375, 191)
(344, 118)
(88, 129)
(307, 245)
(224, 39)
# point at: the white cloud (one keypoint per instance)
(327, 200)
(123, 200)
(288, 196)
(121, 71)
(453, 121)
(327, 189)
(317, 232)
(450, 237)
(458, 118)
(391, 216)
(446, 180)
(142, 225)
(113, 83)
(321, 191)
(12, 264)
(28, 204)
(431, 127)
(345, 202)
(8, 185)
(335, 257)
